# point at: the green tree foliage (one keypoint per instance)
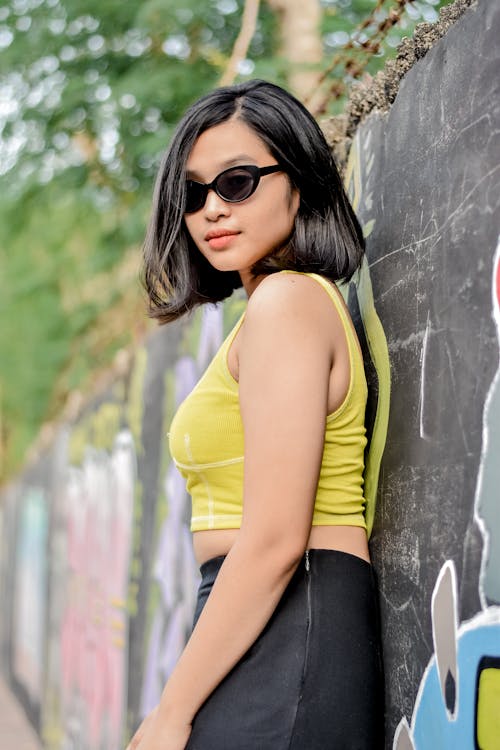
(118, 75)
(90, 93)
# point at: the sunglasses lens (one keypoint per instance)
(236, 184)
(232, 185)
(195, 196)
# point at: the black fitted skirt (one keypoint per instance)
(313, 679)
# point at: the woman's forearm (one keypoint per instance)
(246, 592)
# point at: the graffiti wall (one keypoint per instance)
(97, 574)
(426, 180)
(97, 569)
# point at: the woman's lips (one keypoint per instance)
(219, 241)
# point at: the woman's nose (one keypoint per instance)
(215, 206)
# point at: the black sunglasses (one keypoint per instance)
(232, 185)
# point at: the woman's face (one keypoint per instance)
(254, 227)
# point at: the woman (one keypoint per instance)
(285, 648)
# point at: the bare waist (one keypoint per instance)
(214, 542)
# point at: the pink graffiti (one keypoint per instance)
(94, 635)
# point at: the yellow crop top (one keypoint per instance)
(206, 443)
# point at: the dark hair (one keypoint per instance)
(326, 237)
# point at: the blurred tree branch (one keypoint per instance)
(240, 49)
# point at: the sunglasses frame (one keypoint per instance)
(255, 172)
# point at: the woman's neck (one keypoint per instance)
(249, 281)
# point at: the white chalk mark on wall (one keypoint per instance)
(487, 498)
(423, 434)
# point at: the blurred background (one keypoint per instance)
(90, 92)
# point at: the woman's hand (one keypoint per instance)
(155, 733)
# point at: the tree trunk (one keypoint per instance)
(301, 42)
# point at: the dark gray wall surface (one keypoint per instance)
(430, 170)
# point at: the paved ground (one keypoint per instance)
(16, 732)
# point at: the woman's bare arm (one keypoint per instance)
(285, 362)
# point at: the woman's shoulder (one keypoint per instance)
(289, 292)
(290, 308)
(286, 322)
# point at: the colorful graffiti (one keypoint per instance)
(86, 570)
(86, 703)
(457, 703)
(175, 571)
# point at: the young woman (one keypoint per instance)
(284, 653)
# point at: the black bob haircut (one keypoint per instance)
(326, 237)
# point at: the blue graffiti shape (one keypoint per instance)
(432, 726)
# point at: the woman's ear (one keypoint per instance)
(295, 201)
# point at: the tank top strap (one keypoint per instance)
(336, 298)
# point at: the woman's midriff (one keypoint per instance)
(351, 539)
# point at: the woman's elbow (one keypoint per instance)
(282, 552)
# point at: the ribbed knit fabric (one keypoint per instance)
(206, 442)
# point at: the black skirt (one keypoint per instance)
(313, 679)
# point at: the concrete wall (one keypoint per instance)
(97, 576)
(428, 190)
